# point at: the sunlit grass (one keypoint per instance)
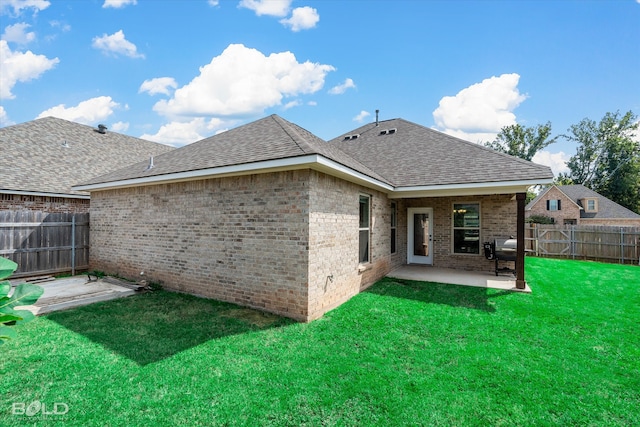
(402, 353)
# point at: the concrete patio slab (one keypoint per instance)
(426, 273)
(76, 291)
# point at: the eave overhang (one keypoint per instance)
(467, 189)
(312, 161)
(322, 164)
(43, 194)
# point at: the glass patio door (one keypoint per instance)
(420, 236)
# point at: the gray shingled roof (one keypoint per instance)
(418, 156)
(35, 159)
(270, 138)
(606, 208)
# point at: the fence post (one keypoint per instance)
(621, 245)
(572, 242)
(73, 244)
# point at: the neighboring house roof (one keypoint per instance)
(607, 209)
(48, 156)
(413, 156)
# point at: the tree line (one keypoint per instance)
(607, 158)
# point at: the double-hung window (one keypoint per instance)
(466, 228)
(553, 205)
(365, 229)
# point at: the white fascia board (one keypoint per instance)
(41, 194)
(336, 169)
(291, 163)
(471, 189)
(312, 161)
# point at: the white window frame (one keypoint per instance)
(367, 228)
(454, 228)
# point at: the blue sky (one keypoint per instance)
(179, 71)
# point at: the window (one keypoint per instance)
(591, 205)
(365, 230)
(553, 205)
(394, 225)
(466, 228)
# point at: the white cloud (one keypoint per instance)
(302, 18)
(267, 7)
(556, 161)
(17, 33)
(213, 2)
(87, 112)
(361, 116)
(120, 126)
(58, 24)
(342, 88)
(19, 5)
(20, 67)
(116, 44)
(117, 4)
(4, 118)
(244, 81)
(481, 110)
(291, 104)
(158, 85)
(178, 134)
(312, 103)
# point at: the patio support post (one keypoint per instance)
(520, 282)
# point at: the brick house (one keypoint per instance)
(267, 215)
(579, 205)
(42, 159)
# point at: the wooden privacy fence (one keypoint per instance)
(586, 242)
(45, 243)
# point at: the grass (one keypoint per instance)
(402, 353)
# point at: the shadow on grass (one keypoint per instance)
(438, 293)
(153, 326)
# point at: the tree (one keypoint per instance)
(608, 158)
(521, 141)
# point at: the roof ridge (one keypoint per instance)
(289, 130)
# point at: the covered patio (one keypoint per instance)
(425, 273)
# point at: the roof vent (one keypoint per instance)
(101, 129)
(150, 164)
(388, 131)
(65, 144)
(350, 137)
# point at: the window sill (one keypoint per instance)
(364, 267)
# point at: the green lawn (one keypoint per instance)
(402, 353)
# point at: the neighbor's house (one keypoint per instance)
(269, 216)
(42, 159)
(579, 205)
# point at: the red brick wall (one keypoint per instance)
(568, 209)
